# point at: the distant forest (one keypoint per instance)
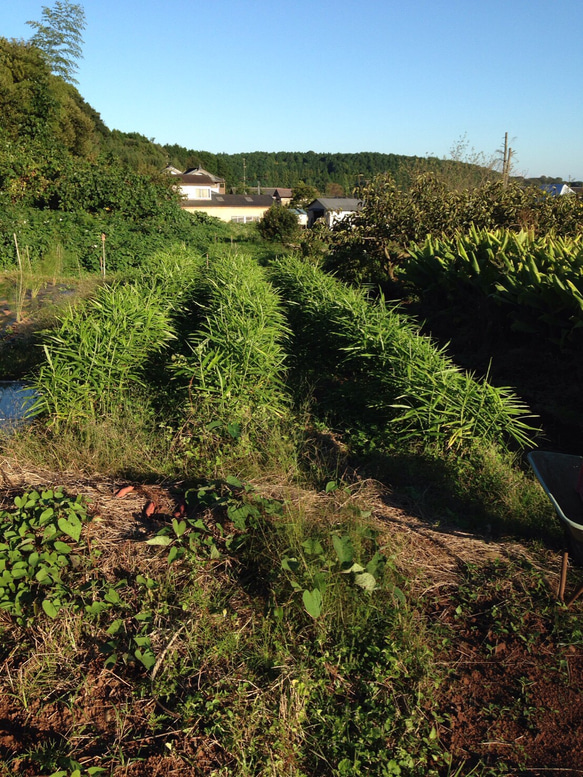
(334, 174)
(330, 173)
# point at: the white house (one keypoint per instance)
(197, 183)
(240, 208)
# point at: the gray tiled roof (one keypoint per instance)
(233, 200)
(336, 203)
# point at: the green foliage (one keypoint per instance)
(236, 355)
(317, 569)
(136, 151)
(63, 178)
(59, 37)
(520, 282)
(303, 194)
(345, 655)
(385, 366)
(370, 245)
(130, 242)
(302, 169)
(279, 224)
(40, 547)
(28, 105)
(98, 354)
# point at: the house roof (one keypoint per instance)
(276, 191)
(336, 203)
(202, 171)
(195, 179)
(557, 189)
(233, 201)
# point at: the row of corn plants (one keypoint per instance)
(408, 385)
(535, 284)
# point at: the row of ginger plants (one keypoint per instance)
(227, 341)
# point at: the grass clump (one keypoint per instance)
(232, 369)
(237, 356)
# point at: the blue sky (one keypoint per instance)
(403, 77)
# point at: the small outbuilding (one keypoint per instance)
(301, 216)
(332, 209)
(557, 189)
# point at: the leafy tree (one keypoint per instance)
(59, 37)
(334, 190)
(280, 224)
(303, 194)
(369, 245)
(37, 105)
(26, 103)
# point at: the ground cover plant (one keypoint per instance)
(211, 619)
(229, 631)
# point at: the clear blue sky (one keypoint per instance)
(396, 76)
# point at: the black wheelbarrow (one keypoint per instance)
(561, 476)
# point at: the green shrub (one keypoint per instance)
(280, 224)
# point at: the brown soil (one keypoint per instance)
(512, 655)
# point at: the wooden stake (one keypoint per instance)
(102, 254)
(20, 299)
(563, 580)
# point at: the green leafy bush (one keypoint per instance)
(279, 223)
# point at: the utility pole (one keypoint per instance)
(244, 176)
(507, 156)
